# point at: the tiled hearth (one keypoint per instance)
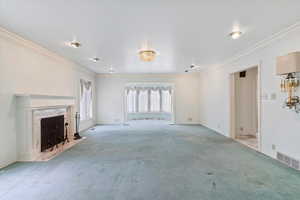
(49, 154)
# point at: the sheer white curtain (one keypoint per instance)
(149, 99)
(166, 101)
(143, 101)
(155, 101)
(86, 101)
(131, 101)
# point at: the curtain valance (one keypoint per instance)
(153, 88)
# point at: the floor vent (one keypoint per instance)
(291, 162)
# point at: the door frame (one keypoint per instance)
(232, 95)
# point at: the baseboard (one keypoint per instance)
(187, 123)
(111, 124)
(214, 129)
(6, 164)
(125, 123)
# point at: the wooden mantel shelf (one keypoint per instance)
(44, 96)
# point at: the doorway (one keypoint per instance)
(245, 107)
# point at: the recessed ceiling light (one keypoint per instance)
(95, 59)
(111, 70)
(235, 34)
(75, 44)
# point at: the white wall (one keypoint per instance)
(279, 126)
(246, 103)
(28, 68)
(110, 95)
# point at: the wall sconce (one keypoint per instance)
(287, 67)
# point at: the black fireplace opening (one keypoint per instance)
(52, 131)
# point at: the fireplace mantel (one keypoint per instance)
(41, 100)
(44, 96)
(27, 105)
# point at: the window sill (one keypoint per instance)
(149, 112)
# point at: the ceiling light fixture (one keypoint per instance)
(75, 44)
(147, 55)
(235, 34)
(95, 59)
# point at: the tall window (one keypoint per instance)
(143, 101)
(155, 101)
(131, 101)
(166, 101)
(86, 101)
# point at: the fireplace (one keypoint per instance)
(52, 132)
(31, 110)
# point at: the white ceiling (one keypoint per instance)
(183, 31)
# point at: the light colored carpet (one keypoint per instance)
(152, 162)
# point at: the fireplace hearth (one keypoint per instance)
(52, 132)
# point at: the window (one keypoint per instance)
(86, 104)
(131, 101)
(166, 101)
(155, 101)
(143, 101)
(149, 99)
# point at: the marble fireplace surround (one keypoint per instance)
(31, 108)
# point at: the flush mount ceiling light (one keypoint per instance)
(193, 67)
(75, 44)
(95, 59)
(235, 34)
(147, 55)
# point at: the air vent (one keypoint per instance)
(243, 74)
(291, 162)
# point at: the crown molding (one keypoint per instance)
(42, 50)
(259, 45)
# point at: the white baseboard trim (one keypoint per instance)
(111, 124)
(214, 129)
(186, 124)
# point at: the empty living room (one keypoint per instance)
(149, 100)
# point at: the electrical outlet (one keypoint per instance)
(273, 147)
(190, 119)
(273, 96)
(219, 125)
